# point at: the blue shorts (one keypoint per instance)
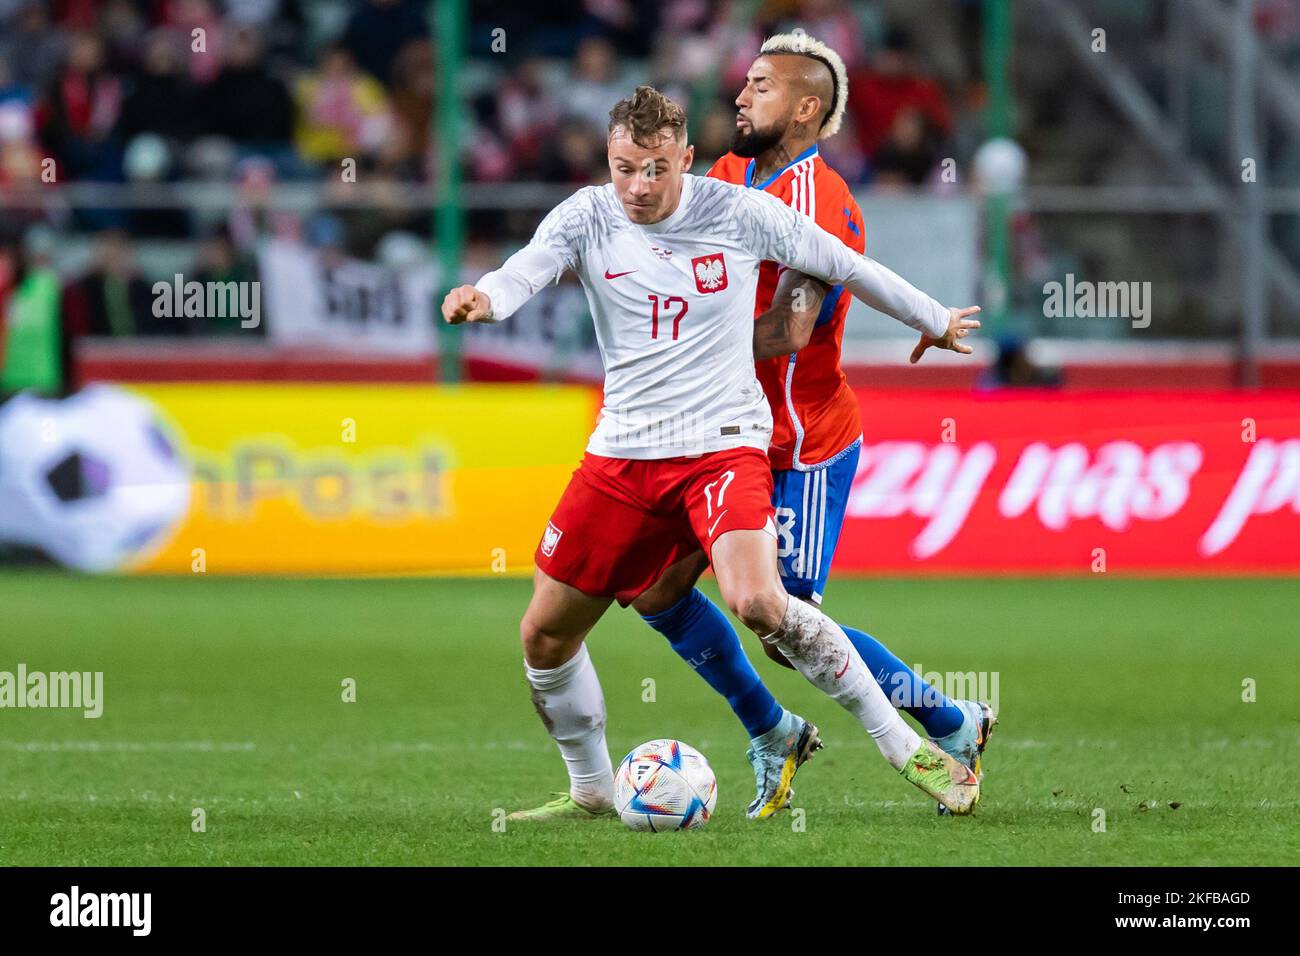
(810, 508)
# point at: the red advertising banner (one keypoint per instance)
(1036, 481)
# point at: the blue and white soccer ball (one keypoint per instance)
(665, 785)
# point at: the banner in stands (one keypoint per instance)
(315, 298)
(1083, 483)
(368, 479)
(551, 337)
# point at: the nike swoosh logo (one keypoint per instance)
(847, 658)
(715, 523)
(616, 275)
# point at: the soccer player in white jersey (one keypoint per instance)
(794, 96)
(678, 460)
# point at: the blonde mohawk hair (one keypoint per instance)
(801, 44)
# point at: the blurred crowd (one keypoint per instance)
(252, 95)
(166, 90)
(540, 122)
(249, 100)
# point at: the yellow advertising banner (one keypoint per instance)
(352, 479)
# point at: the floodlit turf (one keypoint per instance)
(225, 695)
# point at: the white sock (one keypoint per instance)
(569, 700)
(823, 654)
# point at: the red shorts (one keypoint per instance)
(621, 522)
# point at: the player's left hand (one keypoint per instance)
(959, 326)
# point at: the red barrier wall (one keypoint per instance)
(1147, 482)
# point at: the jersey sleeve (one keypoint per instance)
(770, 229)
(555, 248)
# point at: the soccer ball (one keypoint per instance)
(665, 785)
(92, 480)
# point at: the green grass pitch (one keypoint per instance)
(226, 695)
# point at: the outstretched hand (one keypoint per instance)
(959, 326)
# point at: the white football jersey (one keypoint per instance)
(673, 304)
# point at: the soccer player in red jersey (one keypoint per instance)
(677, 465)
(794, 95)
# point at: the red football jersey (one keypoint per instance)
(814, 412)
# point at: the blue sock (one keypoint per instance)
(904, 686)
(703, 637)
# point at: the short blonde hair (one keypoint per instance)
(801, 44)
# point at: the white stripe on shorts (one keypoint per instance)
(821, 530)
(803, 530)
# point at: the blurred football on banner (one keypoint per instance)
(93, 480)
